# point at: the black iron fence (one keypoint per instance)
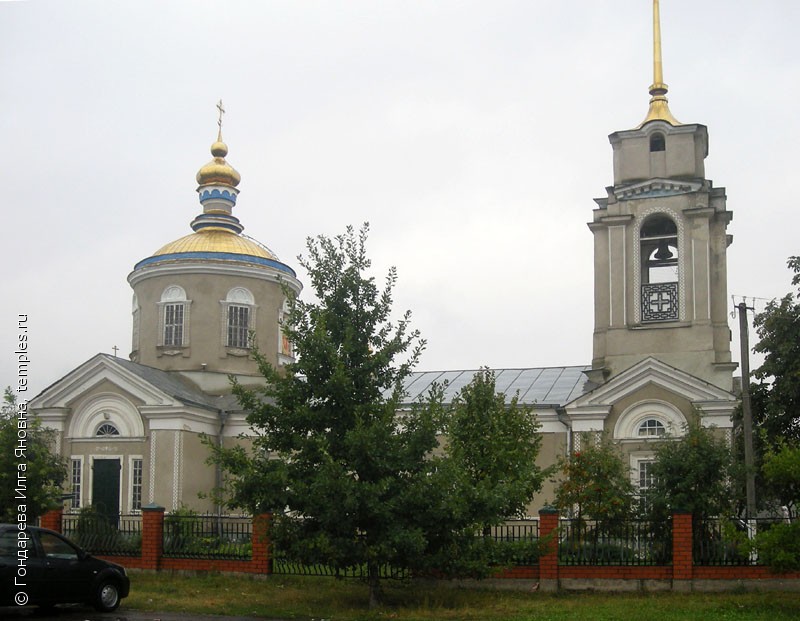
(208, 536)
(517, 544)
(100, 534)
(716, 542)
(628, 542)
(728, 541)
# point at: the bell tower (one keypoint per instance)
(660, 243)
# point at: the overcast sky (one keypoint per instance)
(472, 136)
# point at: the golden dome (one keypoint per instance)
(218, 170)
(218, 240)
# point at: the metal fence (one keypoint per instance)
(716, 542)
(727, 541)
(629, 542)
(517, 539)
(99, 534)
(208, 536)
(283, 564)
(516, 530)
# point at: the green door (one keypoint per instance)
(105, 488)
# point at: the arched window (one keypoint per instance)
(651, 428)
(107, 430)
(174, 317)
(649, 419)
(659, 255)
(239, 318)
(657, 142)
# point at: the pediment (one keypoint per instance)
(101, 371)
(655, 188)
(652, 372)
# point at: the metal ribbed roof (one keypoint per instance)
(216, 240)
(177, 386)
(552, 386)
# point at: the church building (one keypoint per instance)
(130, 429)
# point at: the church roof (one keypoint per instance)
(540, 386)
(177, 386)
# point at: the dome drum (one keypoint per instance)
(217, 194)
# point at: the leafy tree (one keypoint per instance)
(43, 471)
(494, 445)
(692, 473)
(352, 480)
(776, 398)
(596, 483)
(781, 469)
(779, 546)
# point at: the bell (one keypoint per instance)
(663, 253)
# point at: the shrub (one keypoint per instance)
(779, 547)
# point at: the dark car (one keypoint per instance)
(51, 570)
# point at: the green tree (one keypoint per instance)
(596, 483)
(694, 473)
(38, 469)
(351, 479)
(494, 445)
(776, 397)
(781, 470)
(779, 546)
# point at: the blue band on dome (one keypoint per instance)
(219, 256)
(216, 193)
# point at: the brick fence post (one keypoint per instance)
(548, 560)
(682, 557)
(261, 558)
(52, 519)
(152, 536)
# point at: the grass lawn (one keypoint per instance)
(294, 597)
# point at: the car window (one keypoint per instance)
(8, 543)
(55, 547)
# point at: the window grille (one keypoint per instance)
(173, 324)
(238, 326)
(660, 301)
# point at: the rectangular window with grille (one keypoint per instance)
(645, 477)
(238, 326)
(75, 483)
(136, 484)
(173, 324)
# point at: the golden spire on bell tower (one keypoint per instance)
(659, 107)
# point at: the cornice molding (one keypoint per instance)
(216, 269)
(656, 188)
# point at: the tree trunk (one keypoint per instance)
(374, 580)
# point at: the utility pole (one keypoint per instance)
(747, 413)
